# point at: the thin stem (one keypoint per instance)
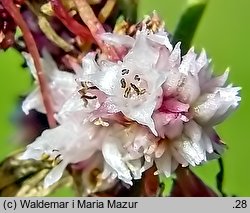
(88, 16)
(32, 48)
(220, 177)
(72, 25)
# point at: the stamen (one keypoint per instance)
(60, 162)
(89, 97)
(57, 157)
(142, 91)
(137, 78)
(123, 83)
(125, 71)
(127, 91)
(136, 89)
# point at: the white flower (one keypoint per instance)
(133, 84)
(153, 106)
(61, 84)
(178, 98)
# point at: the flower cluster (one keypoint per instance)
(151, 107)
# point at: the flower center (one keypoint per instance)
(132, 89)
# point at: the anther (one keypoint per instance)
(142, 91)
(89, 97)
(137, 78)
(136, 89)
(123, 83)
(125, 71)
(127, 91)
(57, 157)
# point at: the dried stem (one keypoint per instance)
(88, 16)
(32, 48)
(72, 25)
(106, 10)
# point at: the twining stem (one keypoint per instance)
(72, 25)
(32, 48)
(88, 16)
(47, 29)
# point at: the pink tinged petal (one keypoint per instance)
(231, 100)
(163, 163)
(116, 39)
(188, 63)
(72, 105)
(175, 57)
(142, 114)
(160, 149)
(213, 83)
(188, 151)
(174, 164)
(112, 155)
(174, 129)
(205, 74)
(140, 143)
(162, 39)
(170, 86)
(207, 142)
(55, 174)
(162, 64)
(108, 80)
(214, 108)
(178, 157)
(194, 132)
(168, 125)
(143, 53)
(108, 106)
(218, 146)
(188, 88)
(206, 110)
(201, 60)
(184, 87)
(173, 105)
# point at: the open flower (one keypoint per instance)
(177, 98)
(133, 85)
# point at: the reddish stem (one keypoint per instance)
(32, 48)
(96, 28)
(76, 28)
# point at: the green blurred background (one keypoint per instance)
(224, 32)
